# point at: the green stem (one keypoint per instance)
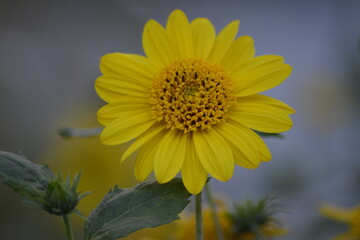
(214, 212)
(68, 228)
(198, 216)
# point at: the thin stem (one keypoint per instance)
(68, 227)
(198, 216)
(214, 212)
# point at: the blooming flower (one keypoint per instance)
(192, 102)
(348, 216)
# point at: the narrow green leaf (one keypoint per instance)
(276, 135)
(26, 178)
(123, 211)
(68, 132)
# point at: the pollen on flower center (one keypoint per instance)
(191, 94)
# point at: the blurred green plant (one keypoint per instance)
(255, 220)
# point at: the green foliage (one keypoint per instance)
(123, 211)
(250, 216)
(28, 179)
(276, 135)
(38, 186)
(68, 132)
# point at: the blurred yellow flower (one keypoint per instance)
(191, 104)
(186, 226)
(350, 216)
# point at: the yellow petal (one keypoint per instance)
(110, 96)
(130, 66)
(126, 128)
(193, 174)
(223, 41)
(261, 79)
(203, 37)
(169, 156)
(253, 63)
(240, 51)
(214, 153)
(262, 99)
(147, 136)
(179, 32)
(125, 99)
(243, 145)
(112, 111)
(156, 43)
(337, 213)
(114, 83)
(110, 89)
(260, 116)
(145, 159)
(264, 153)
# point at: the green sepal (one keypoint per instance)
(80, 214)
(123, 211)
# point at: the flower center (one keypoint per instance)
(191, 94)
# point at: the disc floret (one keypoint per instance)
(191, 94)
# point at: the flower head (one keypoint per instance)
(192, 102)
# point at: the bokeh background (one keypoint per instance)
(49, 57)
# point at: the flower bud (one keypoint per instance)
(60, 196)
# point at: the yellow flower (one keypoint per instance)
(192, 103)
(348, 216)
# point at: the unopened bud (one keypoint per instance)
(60, 196)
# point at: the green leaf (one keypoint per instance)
(68, 132)
(38, 186)
(276, 135)
(26, 178)
(123, 211)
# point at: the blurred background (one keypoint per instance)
(49, 57)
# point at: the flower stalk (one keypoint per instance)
(214, 214)
(198, 217)
(68, 227)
